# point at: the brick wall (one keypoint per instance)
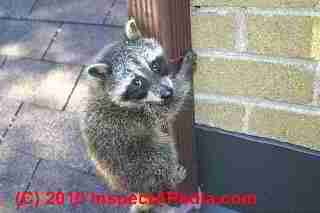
(258, 69)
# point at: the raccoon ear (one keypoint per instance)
(99, 70)
(132, 31)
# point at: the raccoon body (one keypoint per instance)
(131, 98)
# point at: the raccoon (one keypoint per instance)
(134, 94)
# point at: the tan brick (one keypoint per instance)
(257, 3)
(315, 45)
(212, 32)
(222, 115)
(283, 36)
(249, 78)
(299, 129)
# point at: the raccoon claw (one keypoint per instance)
(164, 127)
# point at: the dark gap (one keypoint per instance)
(4, 61)
(56, 62)
(60, 22)
(33, 6)
(46, 60)
(19, 109)
(35, 169)
(108, 13)
(12, 120)
(52, 40)
(32, 175)
(72, 90)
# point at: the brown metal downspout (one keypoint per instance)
(169, 21)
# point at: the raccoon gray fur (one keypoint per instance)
(133, 94)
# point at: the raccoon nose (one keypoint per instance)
(166, 92)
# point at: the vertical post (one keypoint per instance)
(166, 20)
(169, 22)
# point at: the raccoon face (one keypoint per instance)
(136, 80)
(135, 73)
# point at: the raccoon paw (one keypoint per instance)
(189, 57)
(180, 174)
(164, 127)
(188, 63)
(141, 209)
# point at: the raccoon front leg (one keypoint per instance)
(187, 66)
(182, 83)
(182, 98)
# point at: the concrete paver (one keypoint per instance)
(77, 44)
(42, 83)
(15, 167)
(53, 177)
(25, 38)
(15, 8)
(49, 135)
(80, 95)
(15, 173)
(87, 11)
(8, 107)
(118, 15)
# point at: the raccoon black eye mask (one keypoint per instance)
(137, 89)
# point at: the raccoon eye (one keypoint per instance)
(155, 66)
(138, 82)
